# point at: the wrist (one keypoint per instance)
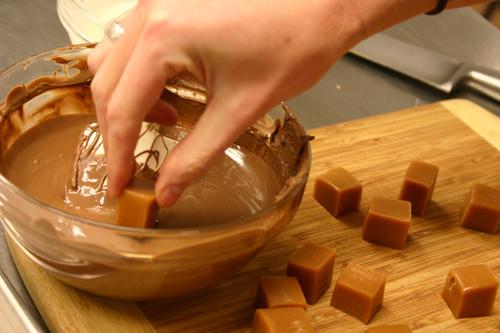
(345, 23)
(378, 15)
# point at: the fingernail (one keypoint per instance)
(170, 195)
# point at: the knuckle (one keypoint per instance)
(97, 89)
(92, 61)
(121, 127)
(113, 114)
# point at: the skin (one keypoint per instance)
(249, 55)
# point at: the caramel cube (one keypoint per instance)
(279, 320)
(137, 205)
(418, 185)
(359, 292)
(338, 191)
(390, 329)
(481, 209)
(470, 291)
(312, 265)
(387, 222)
(279, 291)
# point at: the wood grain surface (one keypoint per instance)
(66, 309)
(458, 136)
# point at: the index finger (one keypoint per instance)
(137, 92)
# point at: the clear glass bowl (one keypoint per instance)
(84, 20)
(127, 263)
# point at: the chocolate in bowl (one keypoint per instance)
(128, 263)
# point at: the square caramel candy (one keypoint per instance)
(418, 185)
(312, 265)
(279, 291)
(281, 320)
(137, 205)
(470, 291)
(359, 292)
(338, 191)
(387, 222)
(481, 209)
(390, 329)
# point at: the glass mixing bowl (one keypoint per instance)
(129, 263)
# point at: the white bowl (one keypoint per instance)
(85, 19)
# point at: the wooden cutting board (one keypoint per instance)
(458, 136)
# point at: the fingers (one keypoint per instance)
(109, 60)
(223, 121)
(122, 138)
(100, 52)
(136, 93)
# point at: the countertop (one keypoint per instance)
(352, 89)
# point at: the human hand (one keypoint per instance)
(247, 68)
(249, 55)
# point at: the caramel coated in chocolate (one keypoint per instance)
(312, 265)
(470, 291)
(338, 191)
(418, 185)
(359, 292)
(137, 205)
(481, 209)
(279, 291)
(387, 222)
(390, 329)
(281, 320)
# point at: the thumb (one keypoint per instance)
(220, 125)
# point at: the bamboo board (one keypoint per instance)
(458, 136)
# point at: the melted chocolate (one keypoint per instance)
(43, 163)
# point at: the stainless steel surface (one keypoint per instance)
(17, 310)
(352, 89)
(28, 27)
(356, 88)
(434, 69)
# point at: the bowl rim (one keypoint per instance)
(304, 163)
